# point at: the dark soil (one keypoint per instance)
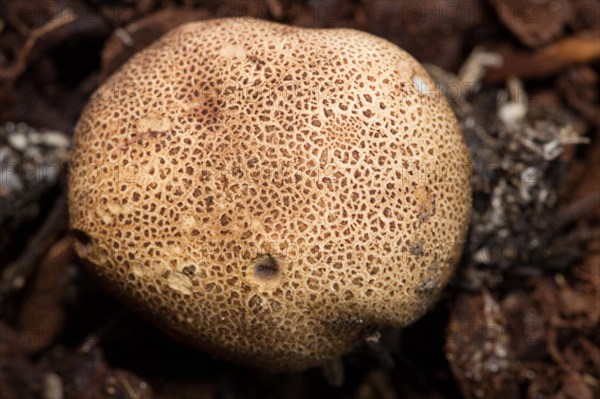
(521, 318)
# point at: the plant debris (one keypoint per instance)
(521, 318)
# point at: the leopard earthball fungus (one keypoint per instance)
(268, 193)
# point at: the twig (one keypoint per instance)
(577, 210)
(15, 70)
(579, 49)
(16, 274)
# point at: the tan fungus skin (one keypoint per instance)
(270, 193)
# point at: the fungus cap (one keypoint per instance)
(270, 193)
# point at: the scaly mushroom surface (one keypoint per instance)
(270, 193)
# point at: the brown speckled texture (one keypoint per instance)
(269, 193)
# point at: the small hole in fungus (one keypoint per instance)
(82, 238)
(266, 268)
(84, 246)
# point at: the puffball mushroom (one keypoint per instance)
(269, 193)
